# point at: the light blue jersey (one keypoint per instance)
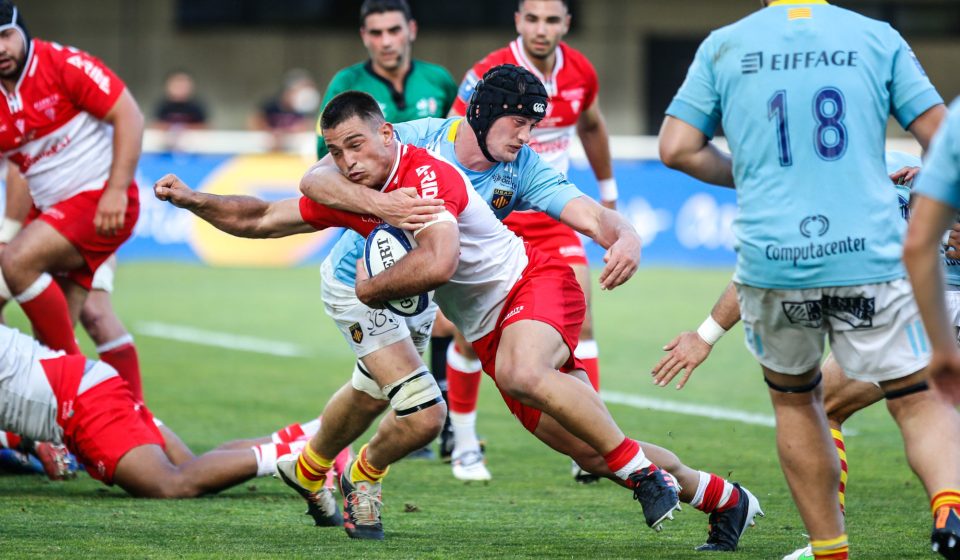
(803, 91)
(527, 183)
(940, 179)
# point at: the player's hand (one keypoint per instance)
(171, 189)
(622, 259)
(953, 243)
(362, 286)
(111, 212)
(944, 373)
(685, 353)
(904, 176)
(403, 208)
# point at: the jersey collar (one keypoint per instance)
(795, 2)
(516, 47)
(401, 151)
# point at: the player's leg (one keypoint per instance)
(587, 351)
(464, 373)
(114, 343)
(26, 261)
(440, 339)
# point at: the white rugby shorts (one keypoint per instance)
(367, 330)
(875, 330)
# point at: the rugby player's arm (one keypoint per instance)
(689, 349)
(240, 216)
(324, 184)
(592, 130)
(18, 204)
(921, 255)
(924, 127)
(428, 266)
(685, 148)
(611, 231)
(127, 122)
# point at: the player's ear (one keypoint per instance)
(566, 24)
(386, 132)
(413, 29)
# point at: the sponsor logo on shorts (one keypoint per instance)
(857, 312)
(379, 322)
(356, 333)
(513, 312)
(904, 207)
(501, 198)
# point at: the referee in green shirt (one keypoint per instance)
(406, 89)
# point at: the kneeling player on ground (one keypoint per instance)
(520, 309)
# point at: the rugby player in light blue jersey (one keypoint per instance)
(803, 91)
(938, 201)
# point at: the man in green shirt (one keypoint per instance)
(405, 88)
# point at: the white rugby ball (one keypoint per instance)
(384, 247)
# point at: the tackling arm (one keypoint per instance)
(241, 216)
(323, 183)
(684, 148)
(612, 232)
(430, 265)
(592, 130)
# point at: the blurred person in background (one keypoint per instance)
(406, 89)
(573, 107)
(291, 111)
(179, 109)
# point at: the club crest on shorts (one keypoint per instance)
(501, 198)
(356, 333)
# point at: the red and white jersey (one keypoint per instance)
(572, 88)
(51, 125)
(492, 258)
(29, 393)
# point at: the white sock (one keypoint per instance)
(268, 453)
(464, 432)
(701, 488)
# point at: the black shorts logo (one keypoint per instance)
(857, 312)
(356, 333)
(501, 198)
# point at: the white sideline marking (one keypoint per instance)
(712, 412)
(202, 337)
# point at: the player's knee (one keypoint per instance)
(428, 421)
(415, 394)
(521, 380)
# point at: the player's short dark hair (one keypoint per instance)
(350, 104)
(520, 4)
(383, 6)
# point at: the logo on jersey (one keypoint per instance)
(47, 105)
(814, 226)
(751, 63)
(501, 198)
(427, 107)
(428, 182)
(356, 333)
(917, 62)
(94, 72)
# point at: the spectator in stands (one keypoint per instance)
(180, 109)
(290, 111)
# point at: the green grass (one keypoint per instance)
(532, 509)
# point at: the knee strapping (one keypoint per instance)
(415, 392)
(904, 391)
(795, 390)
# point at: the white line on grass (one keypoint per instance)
(705, 411)
(203, 337)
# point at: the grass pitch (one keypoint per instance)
(531, 509)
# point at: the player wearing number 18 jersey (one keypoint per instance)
(803, 91)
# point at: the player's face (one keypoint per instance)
(541, 25)
(362, 149)
(388, 37)
(507, 135)
(13, 53)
